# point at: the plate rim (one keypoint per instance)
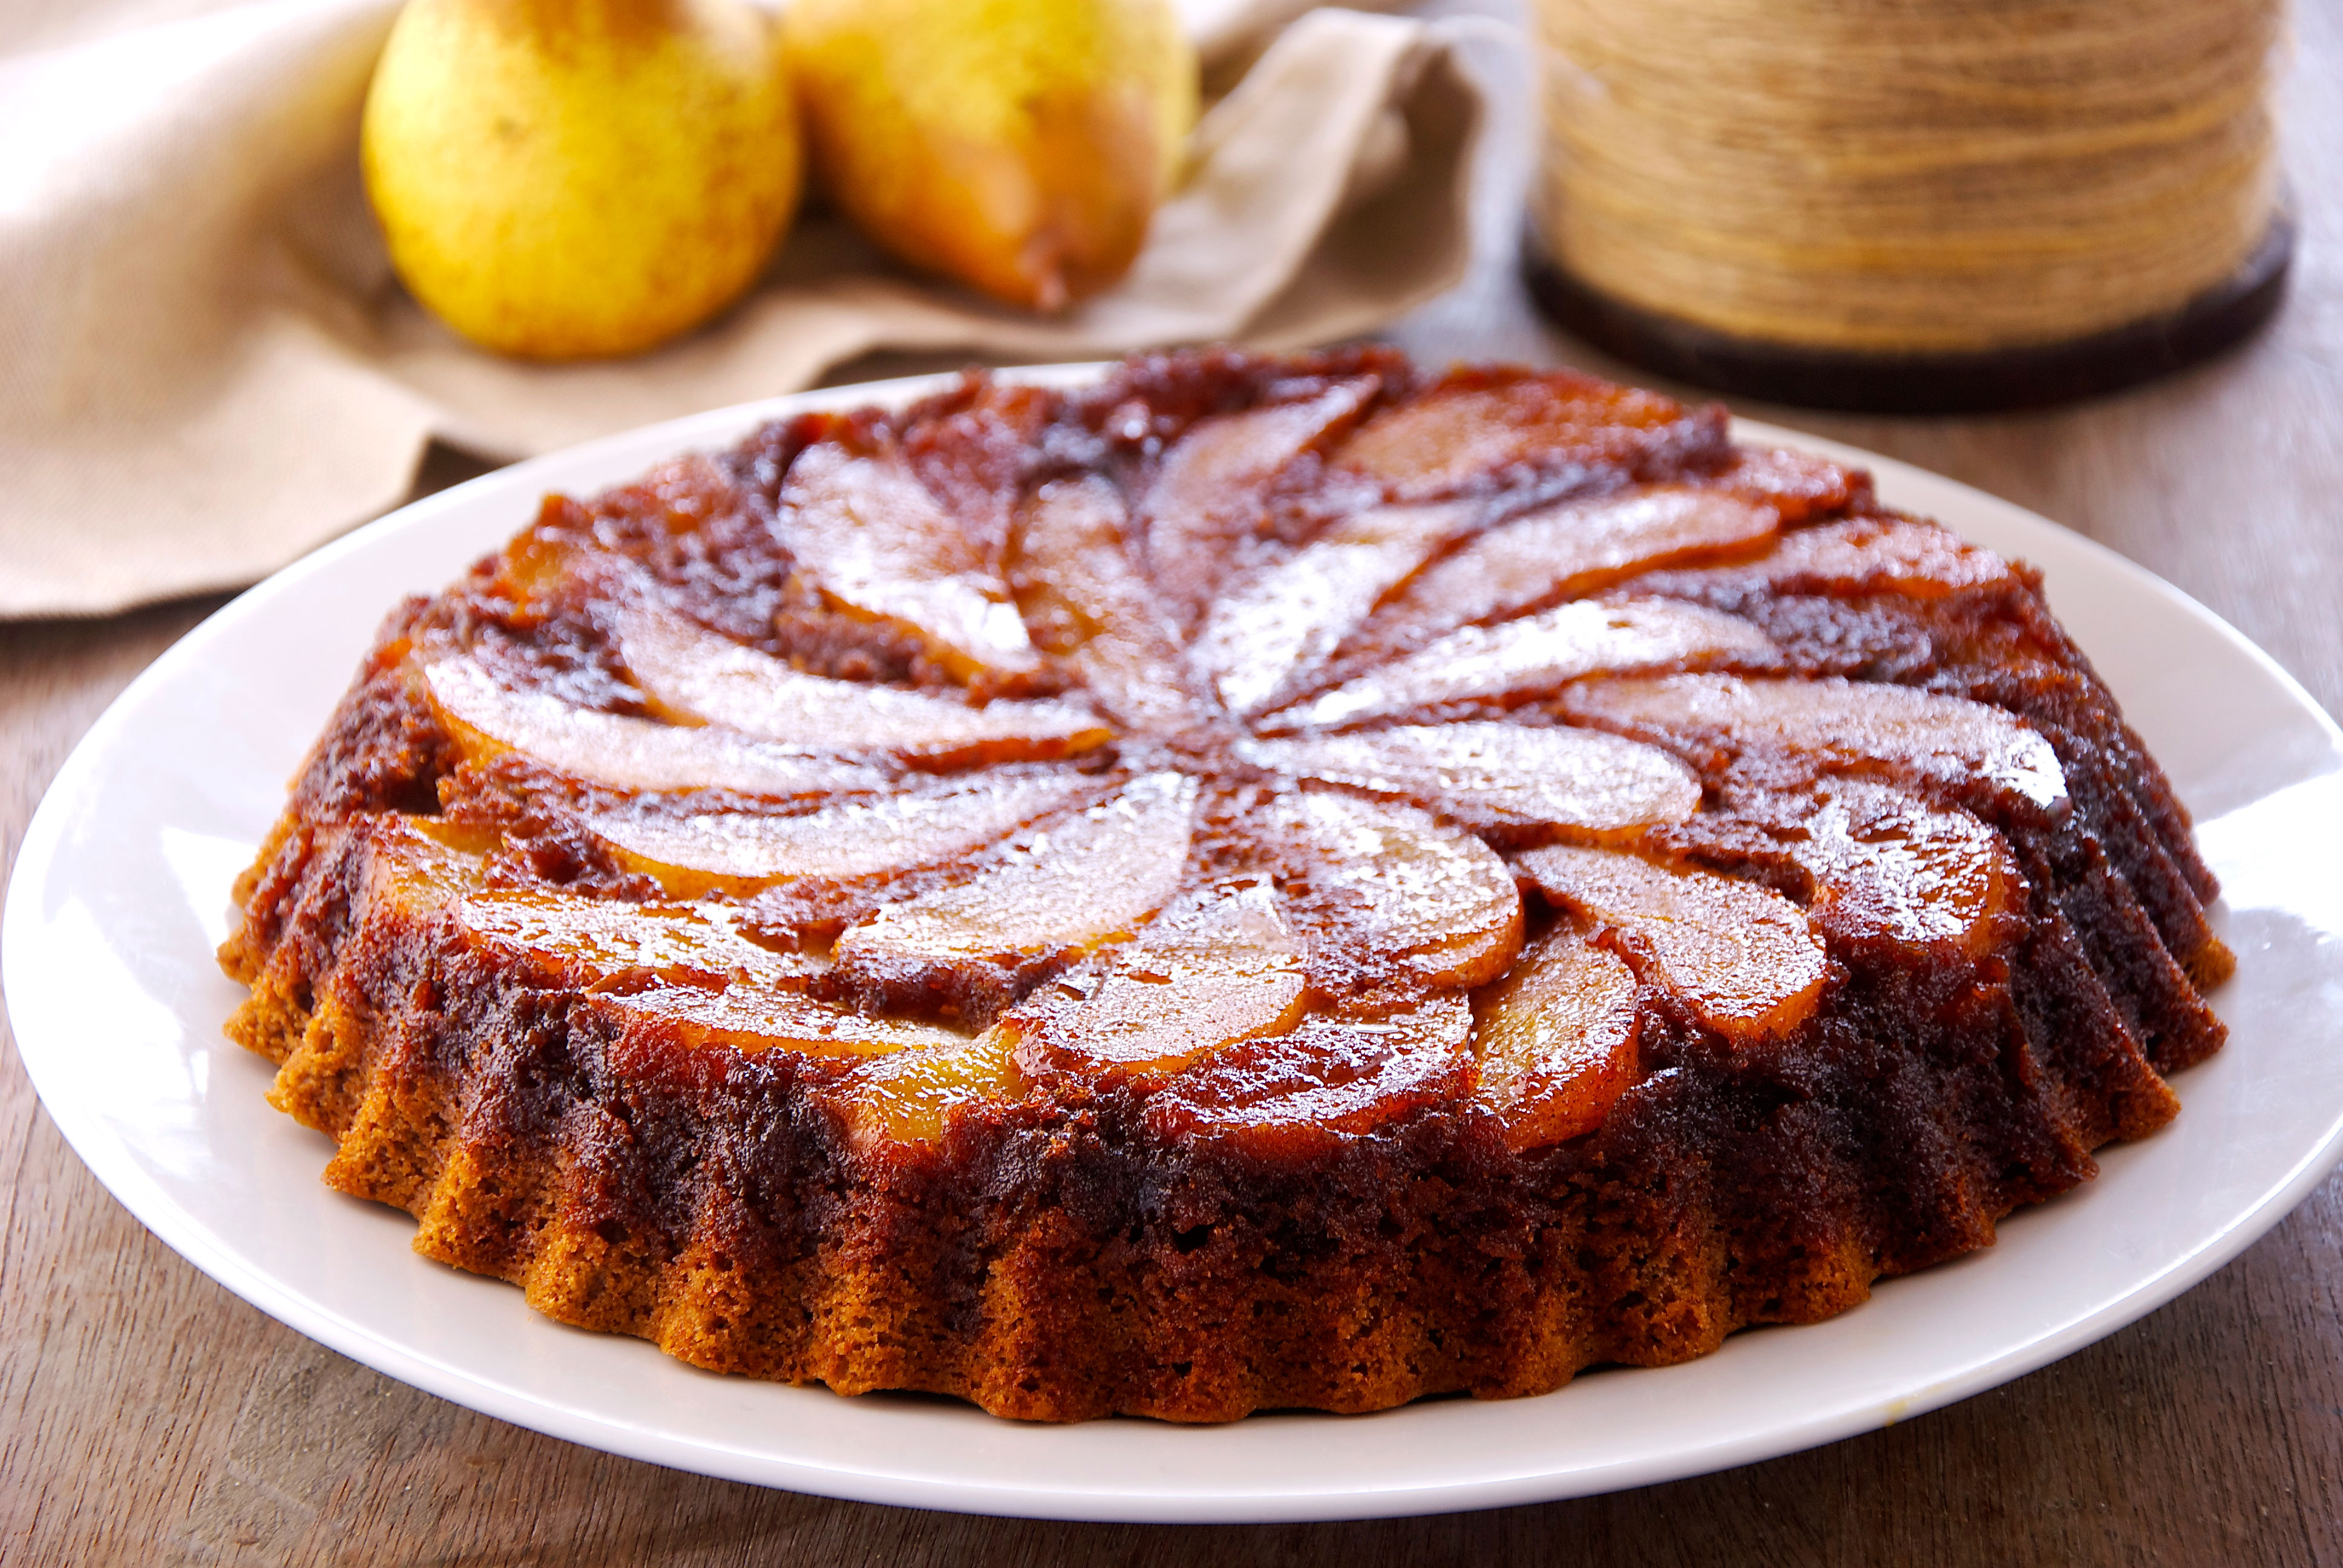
(21, 931)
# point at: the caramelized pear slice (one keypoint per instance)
(1556, 1039)
(1222, 966)
(739, 852)
(1574, 549)
(1492, 775)
(1880, 555)
(1079, 590)
(693, 675)
(621, 752)
(1209, 493)
(1093, 878)
(1288, 619)
(877, 545)
(1862, 726)
(588, 942)
(1523, 660)
(1743, 960)
(1795, 485)
(1437, 900)
(683, 972)
(422, 863)
(911, 1097)
(1297, 1095)
(1459, 435)
(752, 1017)
(1889, 869)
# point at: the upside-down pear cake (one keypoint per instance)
(1253, 882)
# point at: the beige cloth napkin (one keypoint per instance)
(207, 367)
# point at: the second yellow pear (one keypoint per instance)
(1018, 146)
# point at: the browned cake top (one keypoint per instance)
(1196, 737)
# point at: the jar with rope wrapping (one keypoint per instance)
(1908, 205)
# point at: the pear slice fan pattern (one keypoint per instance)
(1258, 883)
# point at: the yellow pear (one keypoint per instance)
(1018, 146)
(565, 179)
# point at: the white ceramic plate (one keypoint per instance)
(122, 892)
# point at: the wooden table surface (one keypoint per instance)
(148, 1416)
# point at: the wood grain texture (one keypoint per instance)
(148, 1416)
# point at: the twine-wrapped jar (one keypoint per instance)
(1908, 203)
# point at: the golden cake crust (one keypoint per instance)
(1264, 883)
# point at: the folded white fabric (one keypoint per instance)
(207, 367)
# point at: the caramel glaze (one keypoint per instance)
(1196, 1248)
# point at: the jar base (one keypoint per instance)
(1971, 382)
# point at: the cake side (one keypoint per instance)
(1055, 1261)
